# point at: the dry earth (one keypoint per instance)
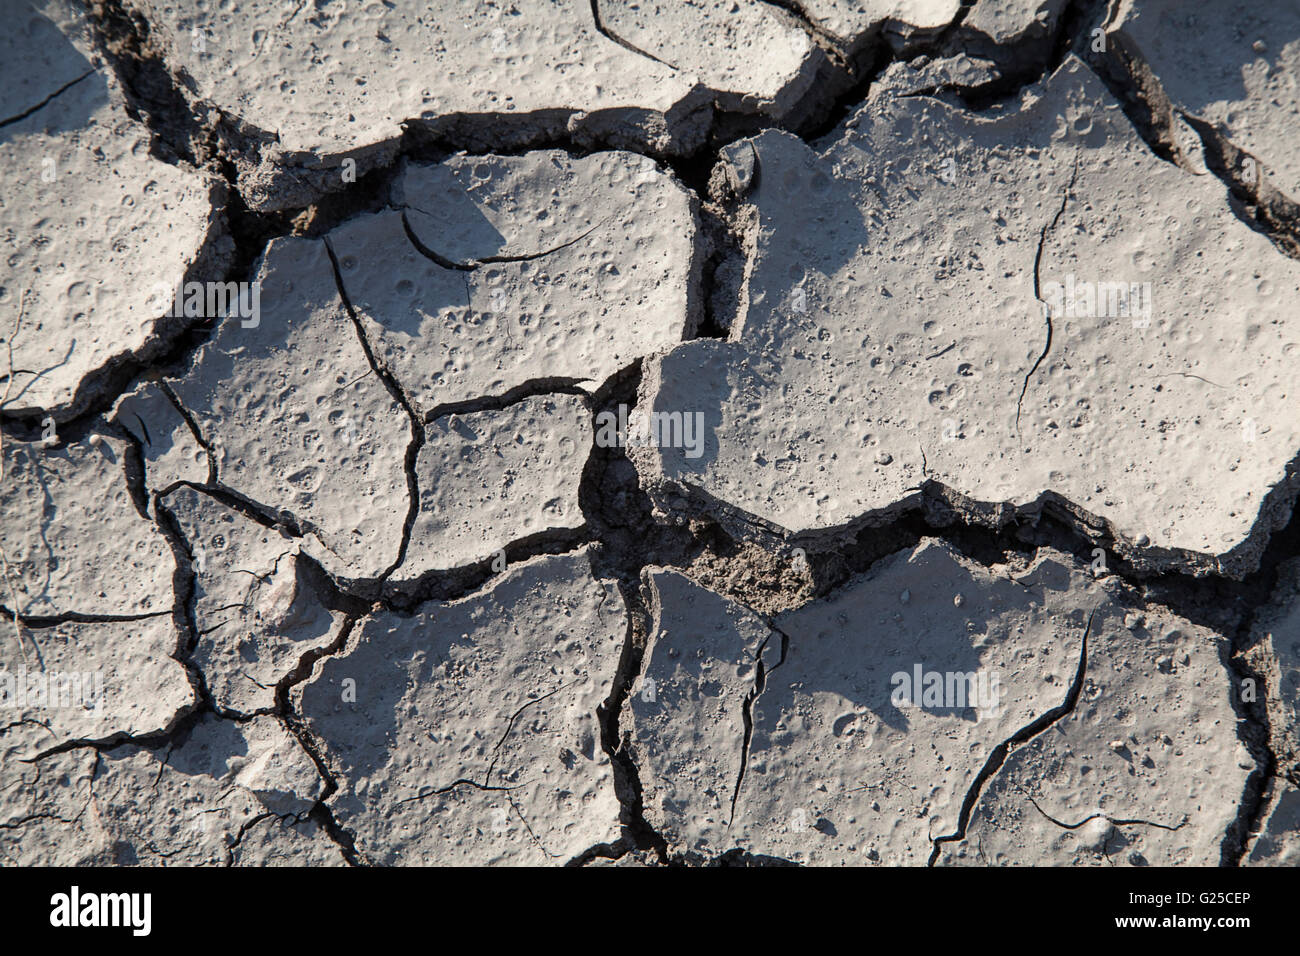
(673, 432)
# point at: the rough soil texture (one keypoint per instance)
(595, 432)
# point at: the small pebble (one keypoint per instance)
(905, 596)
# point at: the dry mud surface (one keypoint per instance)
(595, 432)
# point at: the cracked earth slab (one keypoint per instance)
(911, 316)
(220, 792)
(466, 733)
(845, 764)
(924, 75)
(219, 780)
(89, 682)
(297, 419)
(501, 272)
(493, 478)
(686, 711)
(851, 25)
(1146, 769)
(170, 451)
(45, 810)
(255, 611)
(54, 499)
(1007, 23)
(753, 56)
(380, 588)
(104, 232)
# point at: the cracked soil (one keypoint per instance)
(595, 432)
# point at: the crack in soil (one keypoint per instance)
(747, 709)
(997, 757)
(19, 117)
(620, 525)
(1101, 816)
(1038, 293)
(609, 34)
(399, 396)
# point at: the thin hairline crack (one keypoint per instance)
(1047, 309)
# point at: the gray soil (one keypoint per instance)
(727, 433)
